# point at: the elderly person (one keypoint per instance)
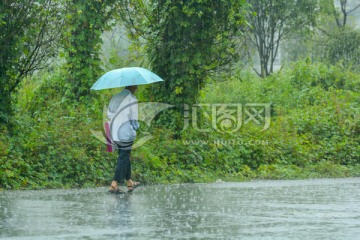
(123, 115)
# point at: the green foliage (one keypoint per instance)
(85, 21)
(336, 38)
(273, 21)
(185, 42)
(28, 38)
(314, 132)
(314, 113)
(52, 145)
(117, 52)
(344, 47)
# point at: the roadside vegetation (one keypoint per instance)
(232, 119)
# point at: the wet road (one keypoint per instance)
(305, 209)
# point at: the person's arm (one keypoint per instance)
(134, 115)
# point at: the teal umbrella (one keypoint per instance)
(123, 77)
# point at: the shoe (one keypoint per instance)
(133, 186)
(115, 190)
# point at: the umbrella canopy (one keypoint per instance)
(123, 77)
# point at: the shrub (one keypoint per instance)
(314, 131)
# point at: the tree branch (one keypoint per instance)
(354, 9)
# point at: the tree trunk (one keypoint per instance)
(5, 108)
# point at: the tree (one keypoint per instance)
(338, 40)
(271, 21)
(85, 22)
(335, 12)
(342, 15)
(28, 40)
(186, 41)
(344, 47)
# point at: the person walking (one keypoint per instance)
(123, 115)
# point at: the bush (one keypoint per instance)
(344, 47)
(52, 145)
(315, 111)
(314, 132)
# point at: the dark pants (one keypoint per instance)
(123, 167)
